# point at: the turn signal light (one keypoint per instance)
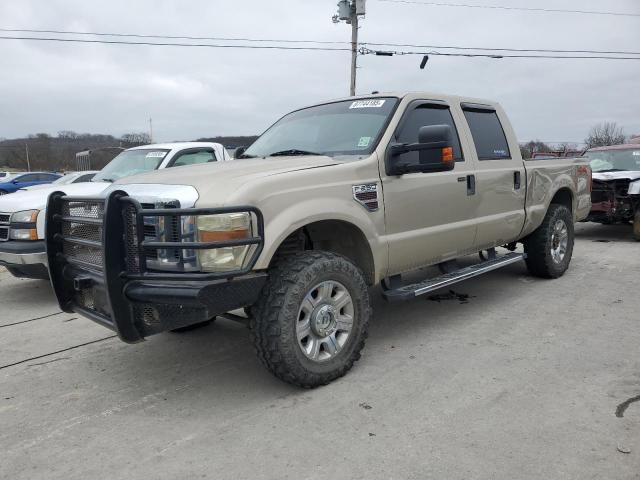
(447, 154)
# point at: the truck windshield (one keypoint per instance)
(131, 162)
(614, 160)
(350, 127)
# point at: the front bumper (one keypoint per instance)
(96, 253)
(23, 253)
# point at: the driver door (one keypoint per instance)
(429, 216)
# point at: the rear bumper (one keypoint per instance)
(22, 253)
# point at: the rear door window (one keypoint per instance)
(488, 135)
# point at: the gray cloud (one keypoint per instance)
(195, 92)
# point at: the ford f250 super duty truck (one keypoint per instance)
(22, 216)
(329, 201)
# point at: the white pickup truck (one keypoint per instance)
(22, 215)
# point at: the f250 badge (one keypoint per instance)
(366, 194)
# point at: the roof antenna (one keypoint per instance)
(424, 61)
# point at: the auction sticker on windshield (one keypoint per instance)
(156, 154)
(364, 142)
(373, 103)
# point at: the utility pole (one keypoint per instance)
(26, 149)
(354, 53)
(348, 12)
(151, 129)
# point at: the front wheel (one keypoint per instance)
(550, 247)
(636, 225)
(311, 321)
(3, 192)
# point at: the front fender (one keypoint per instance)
(280, 224)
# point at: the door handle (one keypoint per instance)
(516, 180)
(471, 184)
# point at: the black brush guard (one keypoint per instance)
(97, 253)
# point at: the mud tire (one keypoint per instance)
(538, 245)
(273, 328)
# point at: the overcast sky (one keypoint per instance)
(199, 92)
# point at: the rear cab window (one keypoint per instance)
(488, 135)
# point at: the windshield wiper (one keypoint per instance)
(244, 155)
(292, 152)
(109, 180)
(610, 170)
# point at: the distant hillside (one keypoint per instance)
(48, 152)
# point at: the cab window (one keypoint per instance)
(424, 115)
(194, 158)
(488, 134)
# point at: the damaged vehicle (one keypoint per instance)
(615, 196)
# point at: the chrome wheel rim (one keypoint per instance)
(559, 241)
(325, 321)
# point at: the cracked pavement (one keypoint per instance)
(524, 379)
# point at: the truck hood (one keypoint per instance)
(228, 176)
(624, 175)
(37, 199)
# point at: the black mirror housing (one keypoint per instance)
(239, 151)
(435, 152)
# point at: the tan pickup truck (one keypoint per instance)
(329, 201)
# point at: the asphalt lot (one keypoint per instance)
(521, 381)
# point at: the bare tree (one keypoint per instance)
(533, 146)
(136, 138)
(68, 134)
(604, 134)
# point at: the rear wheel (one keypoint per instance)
(311, 322)
(550, 247)
(3, 192)
(636, 225)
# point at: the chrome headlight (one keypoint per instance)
(26, 216)
(220, 228)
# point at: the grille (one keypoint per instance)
(165, 229)
(5, 218)
(4, 233)
(90, 256)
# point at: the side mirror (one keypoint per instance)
(435, 152)
(15, 182)
(239, 151)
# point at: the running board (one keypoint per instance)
(427, 286)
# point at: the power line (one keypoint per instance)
(319, 42)
(502, 7)
(308, 48)
(389, 53)
(174, 37)
(164, 44)
(493, 49)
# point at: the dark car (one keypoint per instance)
(27, 180)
